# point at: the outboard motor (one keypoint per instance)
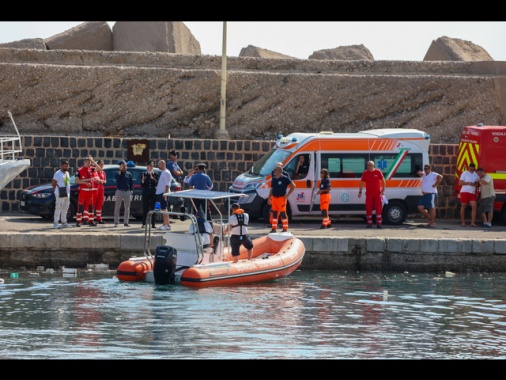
(165, 265)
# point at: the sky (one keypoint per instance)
(391, 41)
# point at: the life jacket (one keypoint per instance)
(239, 214)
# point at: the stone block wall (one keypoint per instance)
(225, 159)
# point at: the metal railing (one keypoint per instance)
(10, 144)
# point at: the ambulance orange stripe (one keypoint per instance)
(345, 183)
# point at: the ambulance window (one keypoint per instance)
(341, 165)
(407, 168)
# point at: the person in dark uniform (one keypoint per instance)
(201, 181)
(149, 180)
(278, 198)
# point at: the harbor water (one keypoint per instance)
(307, 315)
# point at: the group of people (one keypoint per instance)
(476, 183)
(155, 185)
(470, 181)
(91, 179)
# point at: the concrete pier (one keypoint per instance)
(29, 242)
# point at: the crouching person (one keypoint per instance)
(238, 223)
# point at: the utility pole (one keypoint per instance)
(222, 134)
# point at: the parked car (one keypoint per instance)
(40, 200)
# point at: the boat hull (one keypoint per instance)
(272, 259)
(274, 256)
(134, 269)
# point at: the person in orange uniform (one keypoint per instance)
(98, 201)
(324, 192)
(278, 198)
(85, 195)
(375, 185)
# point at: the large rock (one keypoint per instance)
(454, 49)
(163, 36)
(256, 52)
(345, 53)
(29, 43)
(93, 35)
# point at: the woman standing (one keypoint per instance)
(149, 182)
(324, 192)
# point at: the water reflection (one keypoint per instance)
(308, 315)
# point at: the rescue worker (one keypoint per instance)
(238, 223)
(278, 198)
(324, 192)
(84, 178)
(99, 201)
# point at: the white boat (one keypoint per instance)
(10, 165)
(183, 260)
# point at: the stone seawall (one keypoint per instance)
(225, 159)
(54, 250)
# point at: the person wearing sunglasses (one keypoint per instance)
(469, 180)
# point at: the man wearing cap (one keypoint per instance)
(205, 229)
(201, 181)
(238, 223)
(124, 189)
(468, 180)
(173, 167)
(487, 197)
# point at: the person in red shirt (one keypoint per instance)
(375, 185)
(85, 179)
(98, 197)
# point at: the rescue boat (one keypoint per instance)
(183, 260)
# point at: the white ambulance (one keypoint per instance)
(398, 153)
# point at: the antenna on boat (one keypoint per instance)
(14, 123)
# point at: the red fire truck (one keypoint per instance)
(485, 145)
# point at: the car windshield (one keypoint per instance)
(265, 165)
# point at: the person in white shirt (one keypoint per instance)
(487, 197)
(468, 180)
(61, 186)
(163, 187)
(427, 203)
(238, 224)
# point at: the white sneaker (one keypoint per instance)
(65, 225)
(164, 227)
(56, 226)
